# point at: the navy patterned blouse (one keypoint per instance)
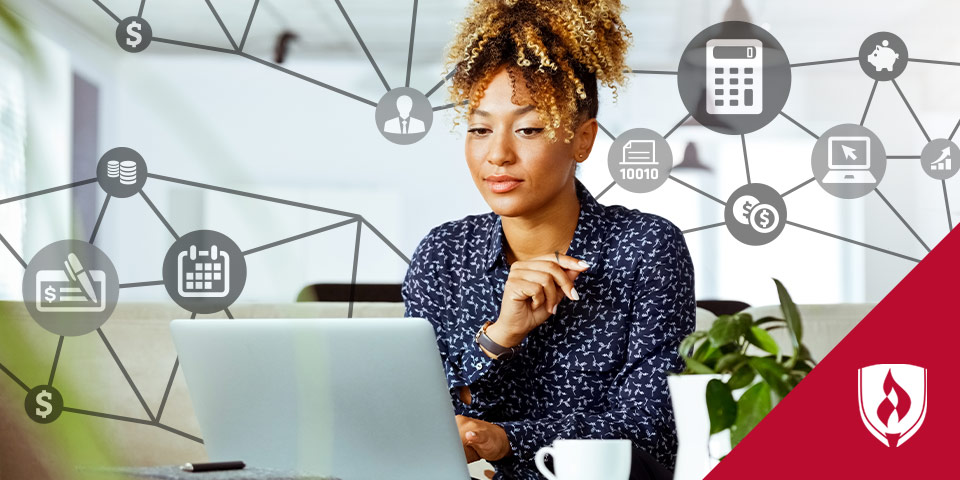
(596, 369)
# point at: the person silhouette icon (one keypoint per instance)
(404, 123)
(403, 116)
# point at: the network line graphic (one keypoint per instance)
(85, 315)
(733, 78)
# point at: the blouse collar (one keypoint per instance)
(586, 238)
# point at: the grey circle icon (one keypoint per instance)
(849, 161)
(121, 172)
(44, 404)
(204, 271)
(939, 159)
(134, 34)
(883, 56)
(70, 287)
(640, 160)
(404, 115)
(755, 214)
(734, 77)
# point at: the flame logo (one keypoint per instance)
(886, 409)
(890, 413)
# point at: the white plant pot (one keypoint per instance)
(698, 451)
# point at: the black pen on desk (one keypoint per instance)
(212, 466)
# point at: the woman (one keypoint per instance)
(556, 317)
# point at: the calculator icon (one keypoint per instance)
(203, 273)
(734, 77)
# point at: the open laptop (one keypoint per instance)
(848, 160)
(353, 398)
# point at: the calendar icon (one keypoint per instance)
(734, 77)
(203, 273)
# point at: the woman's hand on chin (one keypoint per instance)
(482, 439)
(531, 294)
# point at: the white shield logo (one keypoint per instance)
(893, 400)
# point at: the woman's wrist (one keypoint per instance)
(498, 332)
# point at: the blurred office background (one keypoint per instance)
(224, 120)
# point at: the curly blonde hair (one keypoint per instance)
(560, 49)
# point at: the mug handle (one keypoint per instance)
(538, 459)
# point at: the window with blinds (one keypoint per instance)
(13, 130)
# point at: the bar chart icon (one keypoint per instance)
(939, 157)
(639, 152)
(943, 163)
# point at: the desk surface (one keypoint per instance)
(174, 473)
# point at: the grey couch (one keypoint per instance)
(139, 334)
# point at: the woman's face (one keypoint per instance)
(517, 169)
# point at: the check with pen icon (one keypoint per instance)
(73, 289)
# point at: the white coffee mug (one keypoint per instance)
(589, 459)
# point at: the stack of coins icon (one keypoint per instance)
(113, 168)
(128, 172)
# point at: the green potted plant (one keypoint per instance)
(32, 450)
(742, 373)
(10, 23)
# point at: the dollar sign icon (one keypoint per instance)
(747, 207)
(764, 218)
(49, 294)
(44, 404)
(742, 207)
(755, 214)
(133, 33)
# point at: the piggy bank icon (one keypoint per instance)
(883, 57)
